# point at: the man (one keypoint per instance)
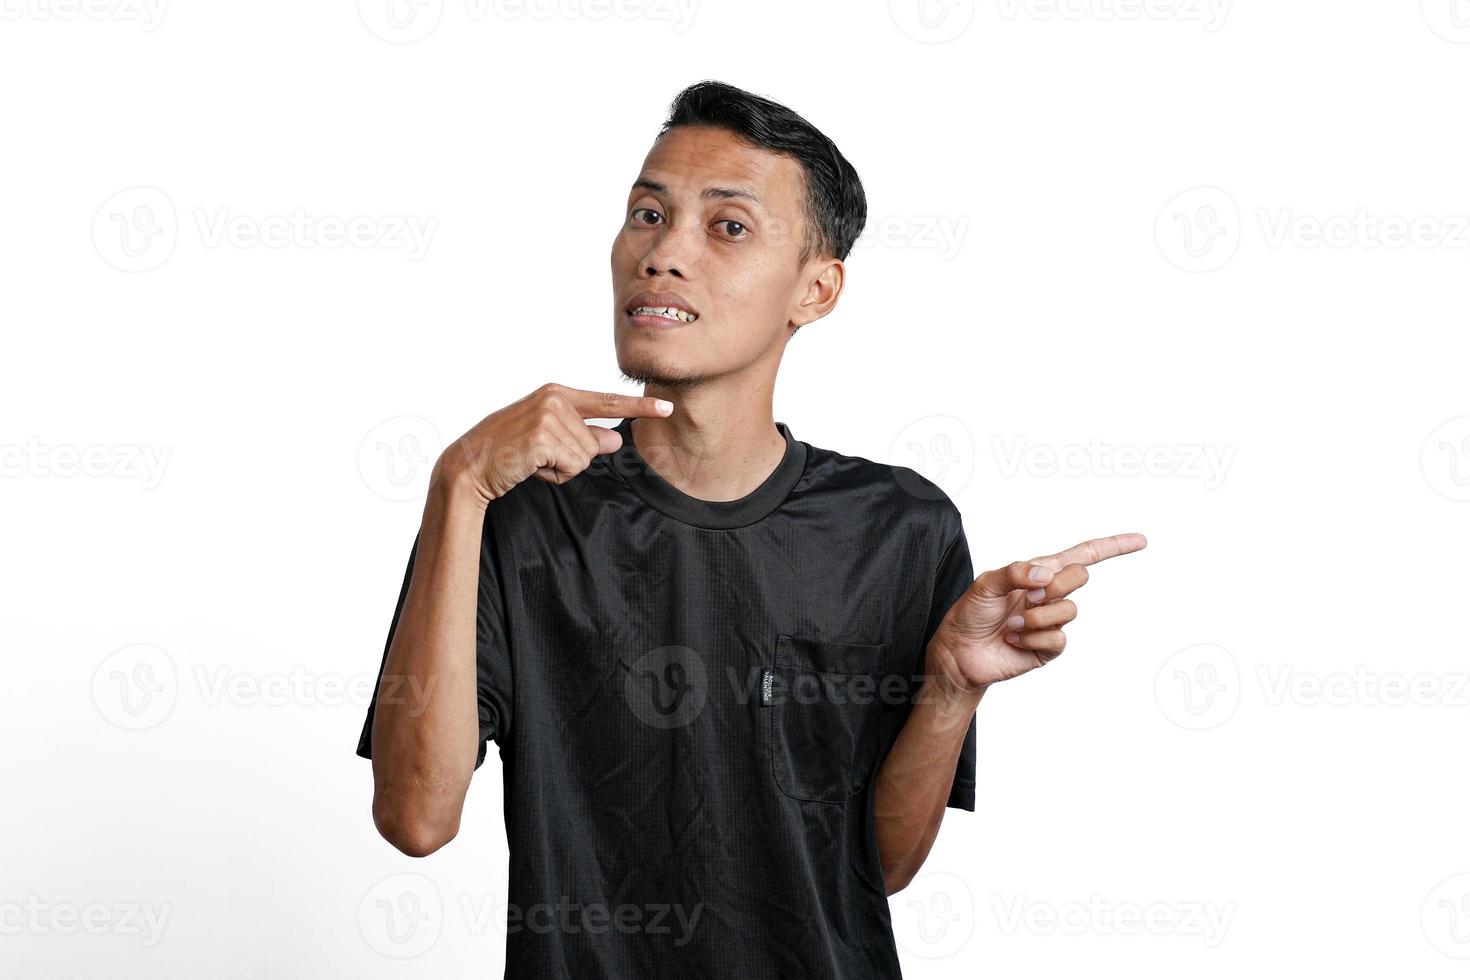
(732, 676)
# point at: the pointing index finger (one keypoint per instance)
(1100, 549)
(611, 405)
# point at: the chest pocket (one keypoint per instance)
(822, 703)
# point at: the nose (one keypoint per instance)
(673, 253)
(662, 260)
(653, 272)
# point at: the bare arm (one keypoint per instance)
(426, 723)
(1007, 622)
(426, 732)
(916, 777)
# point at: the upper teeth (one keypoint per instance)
(672, 312)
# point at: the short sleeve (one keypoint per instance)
(954, 576)
(492, 652)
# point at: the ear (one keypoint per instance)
(821, 293)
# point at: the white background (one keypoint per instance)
(1186, 267)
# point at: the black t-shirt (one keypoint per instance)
(692, 700)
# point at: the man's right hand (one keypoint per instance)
(542, 435)
(424, 748)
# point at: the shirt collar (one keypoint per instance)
(715, 514)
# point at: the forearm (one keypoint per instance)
(426, 722)
(915, 779)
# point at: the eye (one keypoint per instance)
(738, 230)
(655, 216)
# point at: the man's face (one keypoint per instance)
(719, 224)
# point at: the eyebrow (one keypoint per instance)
(720, 192)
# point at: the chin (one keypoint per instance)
(653, 372)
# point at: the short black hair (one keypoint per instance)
(836, 208)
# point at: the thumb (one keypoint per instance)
(608, 441)
(1000, 582)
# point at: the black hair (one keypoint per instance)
(836, 208)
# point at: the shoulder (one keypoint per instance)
(899, 492)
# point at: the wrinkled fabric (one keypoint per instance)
(691, 701)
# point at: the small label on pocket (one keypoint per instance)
(768, 682)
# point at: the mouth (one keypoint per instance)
(660, 310)
(666, 314)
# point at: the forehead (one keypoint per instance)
(690, 159)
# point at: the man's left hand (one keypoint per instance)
(1010, 619)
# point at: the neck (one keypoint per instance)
(720, 443)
